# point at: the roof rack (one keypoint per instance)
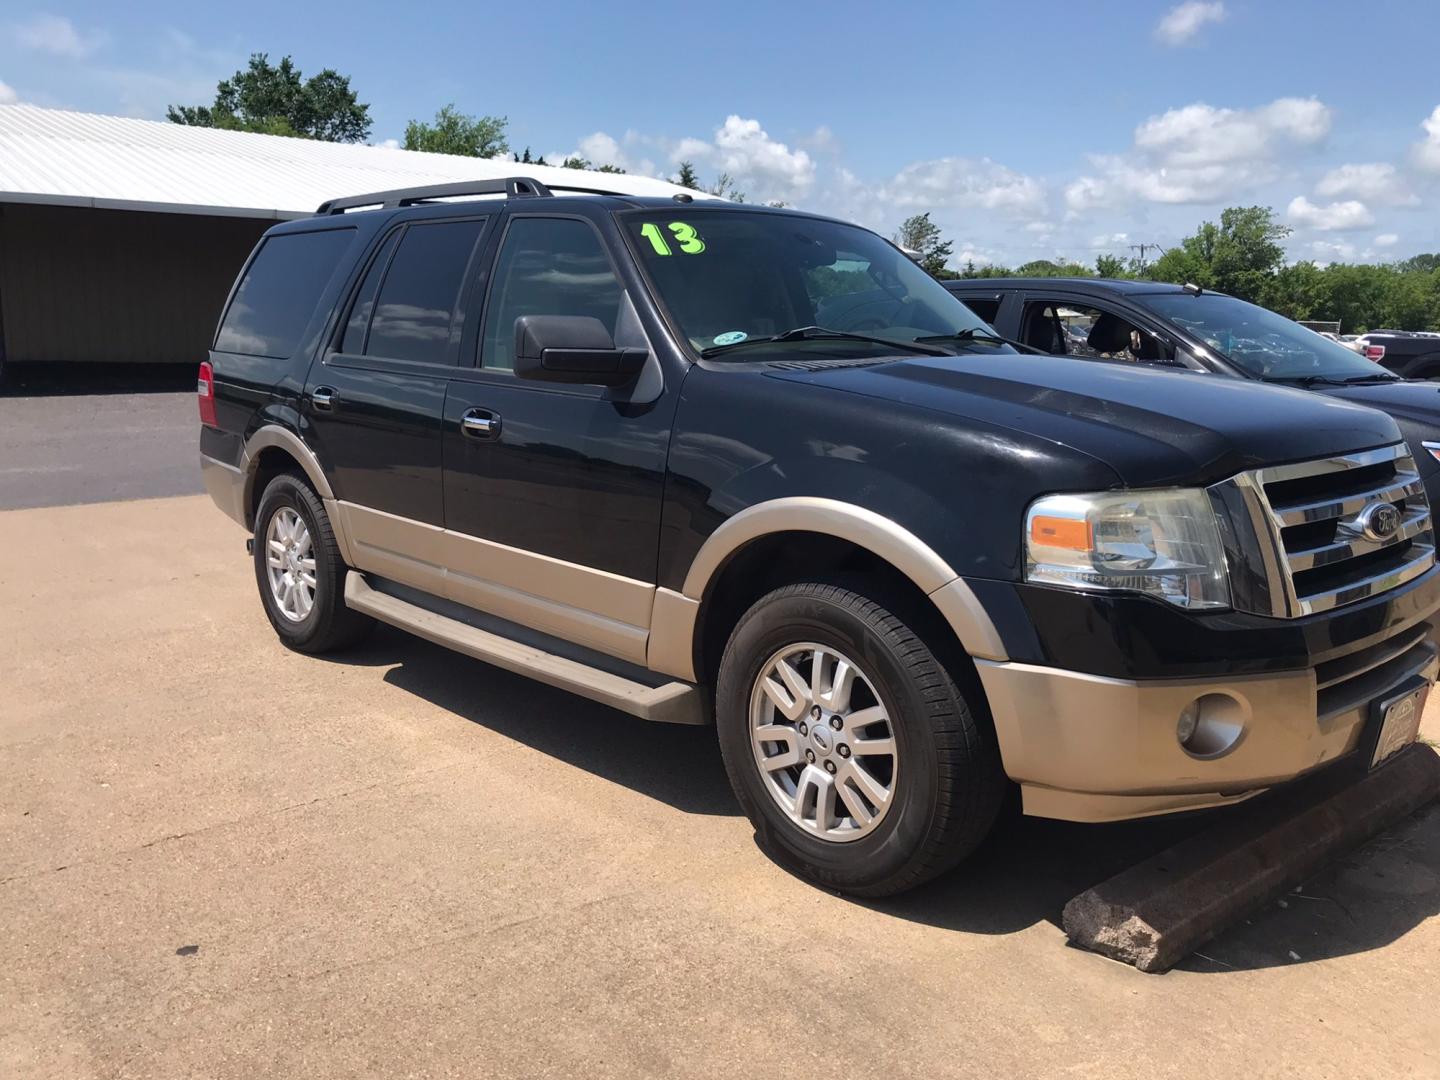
(511, 187)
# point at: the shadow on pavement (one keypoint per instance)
(60, 380)
(677, 765)
(1022, 876)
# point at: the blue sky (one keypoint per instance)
(1032, 129)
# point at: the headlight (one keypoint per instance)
(1164, 543)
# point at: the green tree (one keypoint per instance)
(1050, 268)
(453, 132)
(687, 177)
(575, 161)
(1239, 256)
(1111, 266)
(526, 159)
(276, 99)
(1299, 291)
(725, 188)
(920, 234)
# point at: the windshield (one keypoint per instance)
(732, 276)
(1261, 342)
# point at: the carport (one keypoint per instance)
(120, 238)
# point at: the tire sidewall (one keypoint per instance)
(790, 620)
(287, 491)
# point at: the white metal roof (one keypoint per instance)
(86, 159)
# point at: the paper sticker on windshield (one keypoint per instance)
(730, 337)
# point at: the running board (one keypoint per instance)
(672, 703)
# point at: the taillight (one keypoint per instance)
(1375, 353)
(205, 388)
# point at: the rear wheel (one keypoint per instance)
(300, 572)
(851, 749)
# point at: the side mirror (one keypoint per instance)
(572, 349)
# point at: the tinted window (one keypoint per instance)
(547, 266)
(986, 309)
(359, 321)
(417, 300)
(279, 291)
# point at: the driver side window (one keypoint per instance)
(1063, 328)
(547, 266)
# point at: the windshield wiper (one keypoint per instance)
(1326, 380)
(821, 333)
(1361, 380)
(985, 337)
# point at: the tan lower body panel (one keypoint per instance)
(225, 485)
(1087, 748)
(593, 608)
(674, 703)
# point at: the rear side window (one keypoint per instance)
(278, 293)
(548, 266)
(359, 321)
(416, 305)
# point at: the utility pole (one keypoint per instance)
(1142, 248)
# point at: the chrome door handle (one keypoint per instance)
(480, 424)
(323, 398)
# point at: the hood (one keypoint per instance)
(1415, 406)
(1151, 426)
(1418, 401)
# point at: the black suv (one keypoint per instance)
(1200, 330)
(704, 461)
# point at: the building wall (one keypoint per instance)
(121, 286)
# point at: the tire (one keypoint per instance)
(325, 624)
(945, 781)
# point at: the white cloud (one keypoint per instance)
(1375, 182)
(1184, 21)
(8, 95)
(1106, 241)
(55, 34)
(746, 150)
(1200, 153)
(1200, 134)
(762, 167)
(1386, 239)
(981, 184)
(1328, 251)
(389, 144)
(1427, 151)
(1336, 217)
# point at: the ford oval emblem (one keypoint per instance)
(1379, 521)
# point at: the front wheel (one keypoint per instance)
(851, 749)
(300, 572)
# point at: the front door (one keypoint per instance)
(553, 492)
(375, 401)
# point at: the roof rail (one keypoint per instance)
(511, 187)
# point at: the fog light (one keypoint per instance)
(1189, 720)
(1211, 725)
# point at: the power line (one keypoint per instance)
(1142, 248)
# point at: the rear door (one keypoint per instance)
(374, 403)
(554, 501)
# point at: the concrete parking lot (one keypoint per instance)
(219, 858)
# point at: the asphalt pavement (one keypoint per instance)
(61, 449)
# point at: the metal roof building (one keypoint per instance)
(120, 238)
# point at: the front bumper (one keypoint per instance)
(1093, 748)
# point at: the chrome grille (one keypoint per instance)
(1311, 520)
